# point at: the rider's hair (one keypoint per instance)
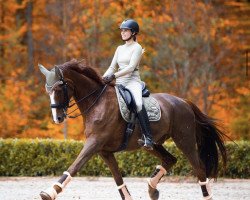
(135, 38)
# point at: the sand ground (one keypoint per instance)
(94, 188)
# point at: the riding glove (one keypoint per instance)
(108, 79)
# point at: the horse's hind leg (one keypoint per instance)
(110, 160)
(189, 148)
(168, 160)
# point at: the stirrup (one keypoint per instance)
(145, 145)
(148, 147)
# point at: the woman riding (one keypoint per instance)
(127, 57)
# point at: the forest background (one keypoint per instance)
(195, 49)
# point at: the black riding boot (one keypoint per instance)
(146, 141)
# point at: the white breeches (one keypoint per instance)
(135, 87)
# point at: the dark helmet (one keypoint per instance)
(130, 24)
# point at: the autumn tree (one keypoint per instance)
(194, 49)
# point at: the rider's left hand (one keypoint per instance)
(108, 79)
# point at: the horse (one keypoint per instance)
(195, 134)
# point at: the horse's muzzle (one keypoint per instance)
(60, 119)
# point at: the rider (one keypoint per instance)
(127, 57)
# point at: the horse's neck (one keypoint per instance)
(84, 86)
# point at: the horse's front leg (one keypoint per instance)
(90, 148)
(110, 160)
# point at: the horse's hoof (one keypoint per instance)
(153, 193)
(45, 196)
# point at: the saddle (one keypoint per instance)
(127, 107)
(128, 97)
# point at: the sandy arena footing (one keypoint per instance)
(28, 188)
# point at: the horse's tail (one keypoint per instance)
(209, 140)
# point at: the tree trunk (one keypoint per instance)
(205, 98)
(207, 1)
(2, 14)
(30, 45)
(20, 20)
(64, 52)
(96, 34)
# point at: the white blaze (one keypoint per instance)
(53, 110)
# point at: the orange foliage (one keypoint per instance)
(62, 30)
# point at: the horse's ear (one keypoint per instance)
(58, 72)
(43, 69)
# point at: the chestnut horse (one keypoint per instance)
(194, 133)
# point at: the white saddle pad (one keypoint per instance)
(150, 103)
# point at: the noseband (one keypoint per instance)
(65, 105)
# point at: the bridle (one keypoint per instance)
(66, 102)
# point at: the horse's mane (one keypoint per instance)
(81, 68)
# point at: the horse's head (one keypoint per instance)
(59, 92)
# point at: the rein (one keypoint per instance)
(88, 109)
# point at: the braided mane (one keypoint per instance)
(81, 68)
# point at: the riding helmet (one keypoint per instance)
(130, 24)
